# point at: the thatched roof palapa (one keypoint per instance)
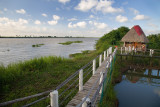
(135, 34)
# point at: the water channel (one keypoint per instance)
(139, 88)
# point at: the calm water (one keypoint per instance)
(20, 49)
(139, 89)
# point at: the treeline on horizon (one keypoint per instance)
(38, 37)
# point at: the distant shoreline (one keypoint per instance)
(49, 37)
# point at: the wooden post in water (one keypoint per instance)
(54, 99)
(100, 60)
(104, 55)
(94, 66)
(81, 80)
(158, 73)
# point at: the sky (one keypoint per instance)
(77, 18)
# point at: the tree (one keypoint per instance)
(111, 38)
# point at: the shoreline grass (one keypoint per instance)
(70, 42)
(37, 75)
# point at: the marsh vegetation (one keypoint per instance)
(70, 42)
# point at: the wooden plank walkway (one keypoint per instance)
(88, 85)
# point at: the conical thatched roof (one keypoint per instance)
(135, 34)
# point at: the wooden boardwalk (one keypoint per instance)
(88, 85)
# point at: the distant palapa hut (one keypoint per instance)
(136, 39)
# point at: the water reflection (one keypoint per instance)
(139, 88)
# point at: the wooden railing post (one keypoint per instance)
(126, 50)
(150, 52)
(110, 58)
(111, 50)
(129, 48)
(54, 99)
(100, 60)
(81, 80)
(121, 50)
(104, 55)
(107, 64)
(87, 103)
(107, 52)
(94, 66)
(101, 79)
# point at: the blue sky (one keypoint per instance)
(91, 18)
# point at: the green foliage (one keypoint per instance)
(111, 38)
(70, 42)
(37, 45)
(154, 41)
(34, 76)
(38, 75)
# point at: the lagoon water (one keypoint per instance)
(139, 89)
(19, 49)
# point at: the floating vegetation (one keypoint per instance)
(37, 45)
(70, 42)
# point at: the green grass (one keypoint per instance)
(37, 75)
(37, 45)
(70, 42)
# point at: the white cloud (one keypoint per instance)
(72, 19)
(21, 11)
(4, 19)
(5, 9)
(91, 16)
(63, 1)
(52, 22)
(151, 31)
(79, 24)
(104, 6)
(125, 3)
(37, 22)
(22, 21)
(9, 26)
(1, 12)
(121, 19)
(90, 22)
(153, 25)
(55, 17)
(57, 9)
(136, 12)
(45, 15)
(86, 5)
(140, 17)
(98, 25)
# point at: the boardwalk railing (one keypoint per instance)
(149, 52)
(64, 92)
(102, 82)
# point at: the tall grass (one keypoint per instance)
(37, 75)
